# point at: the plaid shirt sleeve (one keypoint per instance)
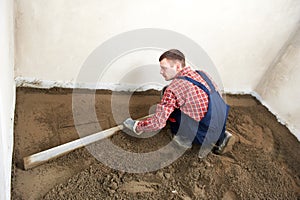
(163, 111)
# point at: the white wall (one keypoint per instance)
(7, 95)
(242, 37)
(279, 87)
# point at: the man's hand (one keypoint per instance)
(131, 125)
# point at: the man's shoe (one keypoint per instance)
(226, 144)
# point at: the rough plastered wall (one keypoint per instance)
(279, 87)
(242, 38)
(7, 96)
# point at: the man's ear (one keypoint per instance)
(178, 66)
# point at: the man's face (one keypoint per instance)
(169, 69)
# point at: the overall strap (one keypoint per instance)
(207, 80)
(200, 85)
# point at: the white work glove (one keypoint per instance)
(131, 125)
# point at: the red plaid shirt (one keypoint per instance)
(181, 94)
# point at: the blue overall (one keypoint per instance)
(209, 130)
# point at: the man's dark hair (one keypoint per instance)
(173, 54)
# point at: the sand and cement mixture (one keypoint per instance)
(264, 162)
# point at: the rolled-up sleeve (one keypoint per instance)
(162, 113)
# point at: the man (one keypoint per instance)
(191, 104)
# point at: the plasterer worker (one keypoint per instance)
(191, 104)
